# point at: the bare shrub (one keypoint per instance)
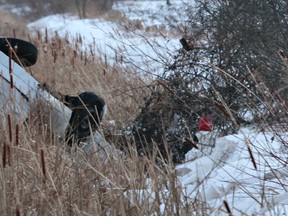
(227, 68)
(229, 60)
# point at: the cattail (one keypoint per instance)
(9, 128)
(251, 154)
(43, 165)
(76, 45)
(91, 51)
(85, 59)
(67, 39)
(60, 46)
(75, 53)
(17, 135)
(94, 43)
(4, 156)
(106, 61)
(54, 56)
(17, 211)
(63, 53)
(53, 138)
(39, 35)
(80, 39)
(73, 61)
(46, 35)
(227, 207)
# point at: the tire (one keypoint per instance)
(26, 52)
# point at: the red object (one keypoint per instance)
(205, 124)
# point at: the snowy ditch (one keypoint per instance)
(227, 174)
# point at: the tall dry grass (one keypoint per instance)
(40, 176)
(64, 68)
(10, 25)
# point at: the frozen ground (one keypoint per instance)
(249, 186)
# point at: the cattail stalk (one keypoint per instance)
(9, 128)
(43, 165)
(227, 208)
(251, 154)
(4, 156)
(17, 135)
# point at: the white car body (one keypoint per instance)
(26, 90)
(19, 102)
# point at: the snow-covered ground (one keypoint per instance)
(249, 187)
(155, 13)
(229, 174)
(147, 48)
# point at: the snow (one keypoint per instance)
(148, 12)
(138, 52)
(229, 174)
(222, 171)
(144, 51)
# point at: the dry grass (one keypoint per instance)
(39, 176)
(64, 68)
(11, 25)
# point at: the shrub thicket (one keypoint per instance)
(230, 66)
(231, 50)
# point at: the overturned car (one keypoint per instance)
(73, 119)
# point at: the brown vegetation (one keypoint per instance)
(40, 177)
